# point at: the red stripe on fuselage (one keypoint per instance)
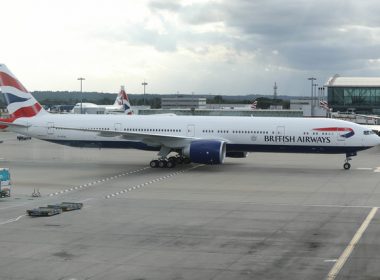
(6, 80)
(333, 129)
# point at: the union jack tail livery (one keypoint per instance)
(122, 99)
(254, 105)
(20, 103)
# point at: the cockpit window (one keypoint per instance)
(368, 132)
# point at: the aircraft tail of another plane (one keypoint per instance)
(123, 100)
(20, 102)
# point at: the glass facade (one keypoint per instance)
(361, 98)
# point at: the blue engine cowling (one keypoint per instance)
(206, 151)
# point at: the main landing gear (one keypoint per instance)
(346, 164)
(169, 163)
(164, 162)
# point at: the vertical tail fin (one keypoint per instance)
(20, 103)
(123, 100)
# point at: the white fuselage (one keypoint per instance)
(239, 133)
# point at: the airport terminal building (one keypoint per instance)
(182, 102)
(358, 94)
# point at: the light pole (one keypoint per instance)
(144, 84)
(81, 95)
(312, 95)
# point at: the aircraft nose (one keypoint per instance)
(376, 140)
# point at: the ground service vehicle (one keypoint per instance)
(54, 209)
(5, 182)
(67, 206)
(44, 211)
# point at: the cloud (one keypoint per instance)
(308, 35)
(234, 45)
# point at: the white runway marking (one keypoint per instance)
(306, 205)
(351, 246)
(164, 177)
(141, 185)
(336, 206)
(12, 220)
(377, 169)
(69, 189)
(364, 168)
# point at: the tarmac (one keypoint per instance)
(269, 216)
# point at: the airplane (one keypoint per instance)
(121, 105)
(197, 139)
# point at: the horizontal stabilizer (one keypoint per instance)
(4, 123)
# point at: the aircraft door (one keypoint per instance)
(339, 135)
(190, 130)
(280, 131)
(50, 128)
(117, 126)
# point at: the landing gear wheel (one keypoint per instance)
(154, 163)
(178, 160)
(162, 163)
(170, 164)
(347, 166)
(173, 159)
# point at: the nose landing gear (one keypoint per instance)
(346, 164)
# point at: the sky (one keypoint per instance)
(189, 46)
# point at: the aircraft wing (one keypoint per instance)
(150, 138)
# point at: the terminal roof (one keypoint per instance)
(337, 81)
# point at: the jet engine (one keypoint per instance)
(206, 151)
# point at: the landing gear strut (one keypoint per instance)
(180, 159)
(346, 164)
(164, 162)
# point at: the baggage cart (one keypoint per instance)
(67, 206)
(44, 211)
